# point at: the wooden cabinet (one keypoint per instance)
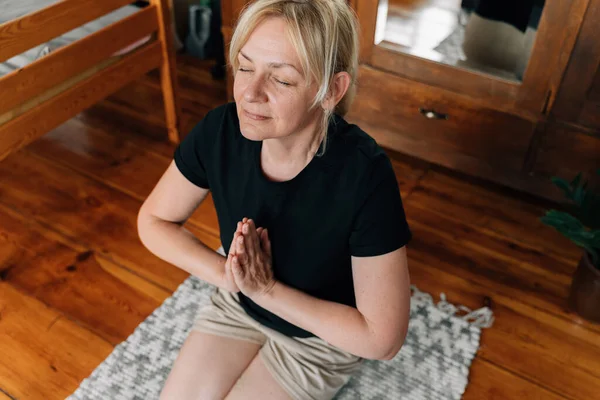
(578, 100)
(571, 141)
(461, 134)
(518, 126)
(565, 150)
(528, 98)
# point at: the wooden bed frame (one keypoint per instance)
(44, 94)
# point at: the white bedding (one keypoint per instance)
(11, 9)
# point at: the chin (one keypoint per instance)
(251, 133)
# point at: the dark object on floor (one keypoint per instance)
(220, 68)
(581, 224)
(584, 297)
(199, 35)
(205, 39)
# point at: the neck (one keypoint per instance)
(295, 149)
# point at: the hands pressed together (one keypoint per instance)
(249, 266)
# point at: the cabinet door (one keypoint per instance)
(230, 10)
(579, 95)
(565, 151)
(508, 54)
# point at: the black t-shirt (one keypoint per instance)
(344, 203)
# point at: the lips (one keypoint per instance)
(256, 117)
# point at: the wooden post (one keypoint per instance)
(168, 69)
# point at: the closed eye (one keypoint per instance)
(276, 80)
(283, 83)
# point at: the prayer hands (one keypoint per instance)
(249, 263)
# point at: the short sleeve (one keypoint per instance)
(380, 224)
(192, 154)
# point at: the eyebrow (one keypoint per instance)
(273, 64)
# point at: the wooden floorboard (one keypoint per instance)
(44, 354)
(75, 279)
(81, 285)
(492, 382)
(125, 162)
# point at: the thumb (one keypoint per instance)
(236, 268)
(228, 267)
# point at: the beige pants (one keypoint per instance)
(306, 368)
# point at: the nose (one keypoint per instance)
(254, 91)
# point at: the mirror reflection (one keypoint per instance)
(490, 36)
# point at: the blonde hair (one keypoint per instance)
(324, 33)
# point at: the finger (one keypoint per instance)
(247, 243)
(241, 250)
(233, 246)
(266, 242)
(237, 232)
(259, 232)
(255, 236)
(263, 240)
(244, 220)
(251, 239)
(245, 259)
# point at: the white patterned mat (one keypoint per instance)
(433, 363)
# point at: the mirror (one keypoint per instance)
(490, 36)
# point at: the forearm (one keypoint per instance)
(338, 324)
(177, 245)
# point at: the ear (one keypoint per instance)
(339, 87)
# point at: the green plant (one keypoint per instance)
(581, 223)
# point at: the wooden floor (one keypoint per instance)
(75, 280)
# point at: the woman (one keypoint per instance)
(316, 278)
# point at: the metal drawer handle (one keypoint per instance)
(432, 114)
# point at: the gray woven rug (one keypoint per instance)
(433, 363)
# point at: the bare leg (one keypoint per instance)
(257, 383)
(207, 367)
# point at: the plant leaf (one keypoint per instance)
(576, 180)
(563, 185)
(578, 195)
